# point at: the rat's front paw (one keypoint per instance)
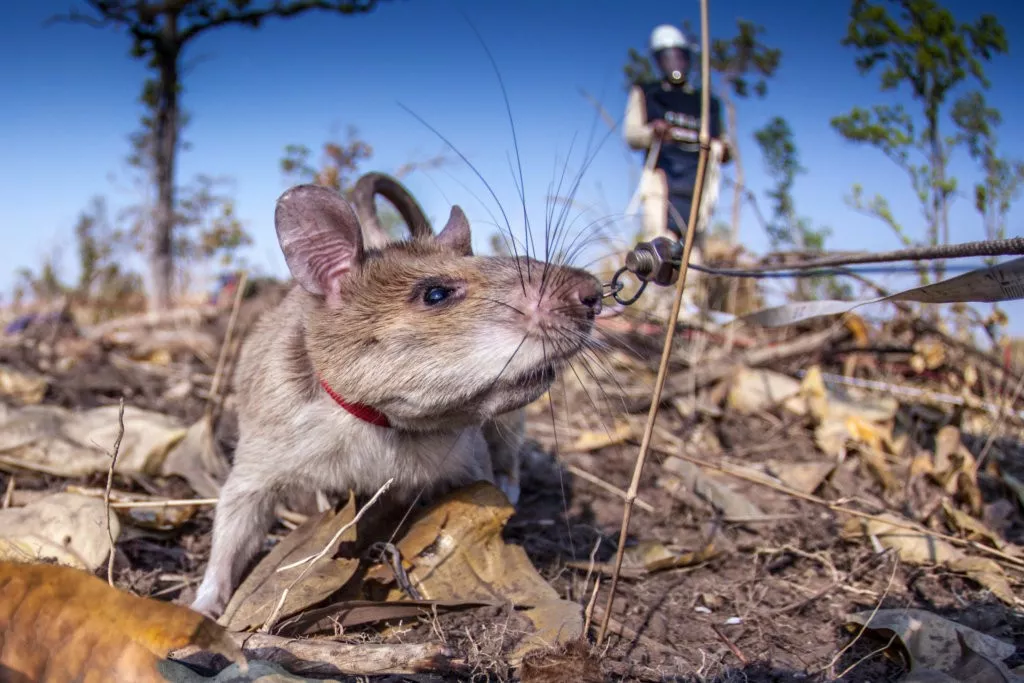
(508, 486)
(211, 601)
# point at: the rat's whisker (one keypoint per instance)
(495, 301)
(558, 450)
(579, 178)
(472, 168)
(511, 121)
(584, 238)
(549, 234)
(502, 230)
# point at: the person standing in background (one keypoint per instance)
(663, 120)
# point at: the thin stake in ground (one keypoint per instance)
(666, 353)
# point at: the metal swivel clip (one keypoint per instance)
(656, 261)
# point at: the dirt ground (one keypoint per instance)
(770, 606)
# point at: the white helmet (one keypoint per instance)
(668, 36)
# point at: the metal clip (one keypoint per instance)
(656, 261)
(615, 286)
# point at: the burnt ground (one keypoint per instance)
(769, 606)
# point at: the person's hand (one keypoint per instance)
(660, 128)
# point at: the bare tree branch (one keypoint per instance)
(279, 9)
(109, 14)
(76, 17)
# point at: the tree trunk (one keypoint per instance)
(738, 187)
(165, 152)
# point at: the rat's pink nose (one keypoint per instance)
(588, 293)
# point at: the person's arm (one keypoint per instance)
(639, 135)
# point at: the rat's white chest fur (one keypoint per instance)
(319, 445)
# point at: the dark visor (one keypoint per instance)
(674, 59)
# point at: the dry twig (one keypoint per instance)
(213, 405)
(106, 494)
(610, 488)
(8, 492)
(860, 632)
(729, 644)
(835, 507)
(312, 559)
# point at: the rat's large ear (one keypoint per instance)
(456, 233)
(319, 235)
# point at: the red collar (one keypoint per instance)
(364, 413)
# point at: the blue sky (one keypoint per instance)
(70, 92)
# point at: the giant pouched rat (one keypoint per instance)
(403, 360)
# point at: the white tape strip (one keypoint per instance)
(1001, 282)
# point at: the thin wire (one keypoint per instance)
(1013, 246)
(761, 274)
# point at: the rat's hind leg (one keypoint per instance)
(505, 435)
(242, 518)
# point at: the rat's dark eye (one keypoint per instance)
(435, 295)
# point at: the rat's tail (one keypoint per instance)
(363, 196)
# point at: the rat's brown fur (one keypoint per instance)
(450, 376)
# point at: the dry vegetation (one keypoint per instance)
(778, 505)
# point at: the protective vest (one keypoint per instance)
(678, 156)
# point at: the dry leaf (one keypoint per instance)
(973, 528)
(920, 548)
(166, 518)
(879, 467)
(975, 667)
(870, 432)
(830, 436)
(23, 387)
(682, 475)
(157, 517)
(154, 357)
(921, 464)
(812, 388)
(62, 624)
(64, 527)
(874, 435)
(255, 599)
(594, 440)
(755, 390)
(197, 459)
(930, 640)
(827, 403)
(648, 557)
(947, 442)
(858, 329)
(931, 352)
(465, 558)
(57, 441)
(805, 477)
(955, 468)
(970, 375)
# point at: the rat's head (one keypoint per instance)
(423, 330)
